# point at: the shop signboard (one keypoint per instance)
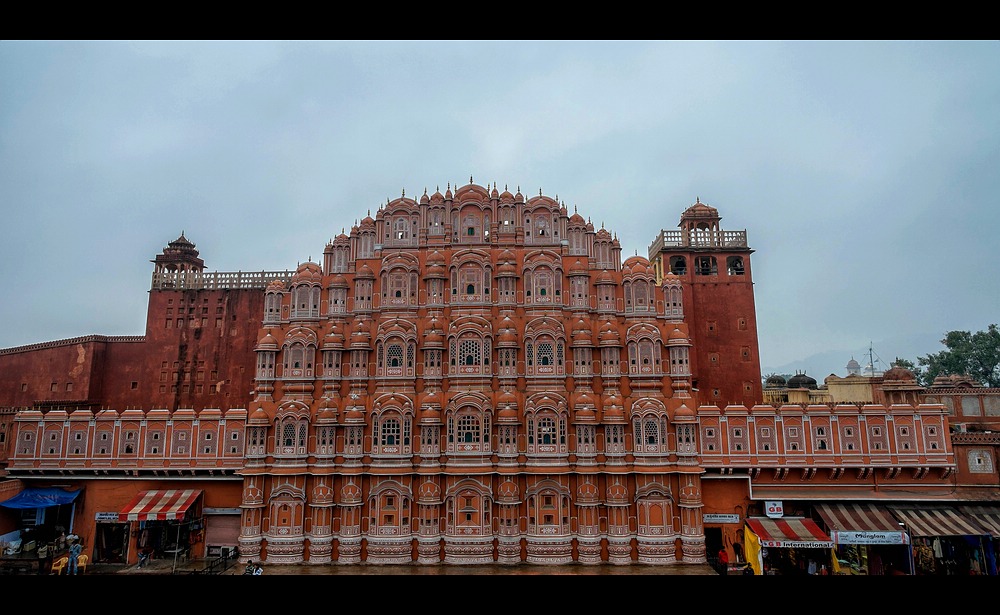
(774, 508)
(719, 518)
(843, 537)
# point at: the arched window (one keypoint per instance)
(468, 431)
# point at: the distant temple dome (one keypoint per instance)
(853, 367)
(775, 381)
(801, 381)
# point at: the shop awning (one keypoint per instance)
(861, 524)
(789, 532)
(159, 505)
(937, 521)
(986, 516)
(41, 497)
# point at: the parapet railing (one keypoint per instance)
(216, 280)
(698, 239)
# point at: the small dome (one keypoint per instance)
(775, 381)
(267, 342)
(683, 412)
(307, 272)
(852, 364)
(899, 374)
(259, 417)
(801, 381)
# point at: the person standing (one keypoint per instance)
(75, 548)
(723, 561)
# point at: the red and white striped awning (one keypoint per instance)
(793, 532)
(937, 521)
(986, 516)
(861, 524)
(159, 505)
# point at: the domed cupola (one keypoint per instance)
(267, 343)
(507, 403)
(308, 273)
(433, 336)
(334, 340)
(609, 335)
(775, 381)
(582, 334)
(361, 336)
(508, 334)
(179, 255)
(853, 367)
(898, 374)
(435, 266)
(802, 381)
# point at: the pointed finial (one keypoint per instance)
(404, 192)
(437, 188)
(470, 179)
(697, 199)
(505, 188)
(539, 191)
(574, 208)
(425, 190)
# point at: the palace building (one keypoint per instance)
(468, 377)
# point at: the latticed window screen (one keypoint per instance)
(390, 432)
(394, 356)
(470, 352)
(545, 354)
(468, 428)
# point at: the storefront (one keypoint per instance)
(945, 541)
(868, 539)
(45, 518)
(222, 531)
(788, 546)
(989, 518)
(163, 524)
(110, 538)
(46, 513)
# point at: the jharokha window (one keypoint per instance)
(468, 432)
(470, 354)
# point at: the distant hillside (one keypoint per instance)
(822, 364)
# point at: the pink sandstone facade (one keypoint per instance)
(467, 378)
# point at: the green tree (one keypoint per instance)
(976, 355)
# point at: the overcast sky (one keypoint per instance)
(866, 174)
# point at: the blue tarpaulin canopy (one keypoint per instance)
(41, 498)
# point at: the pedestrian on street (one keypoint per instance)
(75, 549)
(723, 561)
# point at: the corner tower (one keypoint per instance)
(713, 266)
